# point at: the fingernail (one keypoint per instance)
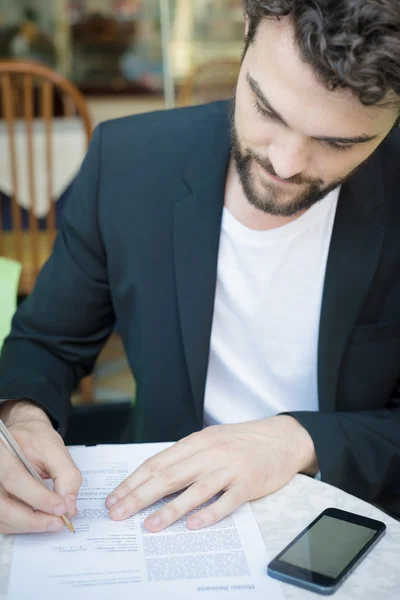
(195, 523)
(60, 509)
(154, 522)
(111, 500)
(55, 526)
(119, 512)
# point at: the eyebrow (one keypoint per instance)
(358, 139)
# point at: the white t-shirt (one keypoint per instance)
(264, 339)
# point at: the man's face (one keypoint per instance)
(293, 141)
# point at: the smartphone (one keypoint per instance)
(322, 556)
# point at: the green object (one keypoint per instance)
(10, 271)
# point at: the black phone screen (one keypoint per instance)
(328, 546)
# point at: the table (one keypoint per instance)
(282, 516)
(68, 150)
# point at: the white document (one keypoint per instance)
(107, 559)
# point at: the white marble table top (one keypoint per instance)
(282, 516)
(68, 150)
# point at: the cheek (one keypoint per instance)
(252, 130)
(327, 167)
(332, 166)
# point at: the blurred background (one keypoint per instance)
(117, 52)
(66, 65)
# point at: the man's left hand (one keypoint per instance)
(245, 461)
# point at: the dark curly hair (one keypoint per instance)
(351, 44)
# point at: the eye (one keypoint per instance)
(339, 147)
(263, 111)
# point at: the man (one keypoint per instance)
(253, 277)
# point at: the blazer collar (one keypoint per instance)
(366, 186)
(210, 153)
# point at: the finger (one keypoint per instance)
(66, 476)
(4, 530)
(161, 461)
(221, 508)
(19, 518)
(170, 480)
(199, 493)
(17, 481)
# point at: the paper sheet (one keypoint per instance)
(122, 559)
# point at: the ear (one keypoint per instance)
(246, 25)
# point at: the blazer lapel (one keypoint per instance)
(197, 226)
(353, 257)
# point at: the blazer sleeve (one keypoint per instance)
(359, 452)
(59, 330)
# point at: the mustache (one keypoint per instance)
(266, 164)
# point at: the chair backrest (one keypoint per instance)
(22, 83)
(214, 80)
(9, 275)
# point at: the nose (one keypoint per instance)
(289, 156)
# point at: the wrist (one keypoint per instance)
(301, 446)
(21, 409)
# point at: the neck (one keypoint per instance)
(238, 205)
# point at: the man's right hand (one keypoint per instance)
(20, 494)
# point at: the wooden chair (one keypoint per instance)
(214, 80)
(21, 83)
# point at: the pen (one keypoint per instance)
(11, 443)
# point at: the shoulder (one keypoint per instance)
(390, 155)
(155, 126)
(131, 147)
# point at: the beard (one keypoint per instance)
(266, 196)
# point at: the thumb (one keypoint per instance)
(66, 476)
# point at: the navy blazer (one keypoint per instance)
(138, 247)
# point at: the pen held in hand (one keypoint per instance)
(11, 443)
